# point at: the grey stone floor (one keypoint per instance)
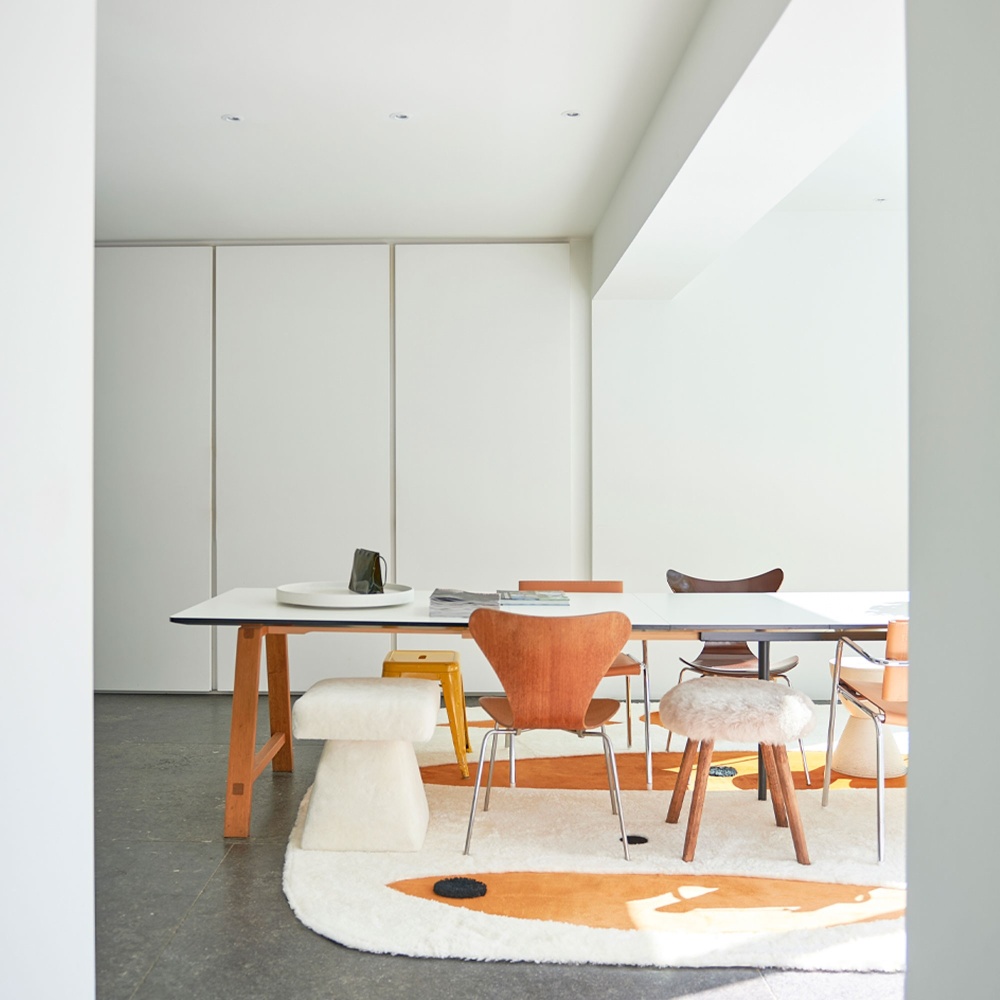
(184, 913)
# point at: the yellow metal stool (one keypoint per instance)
(443, 665)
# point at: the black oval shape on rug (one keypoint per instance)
(459, 888)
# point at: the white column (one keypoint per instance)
(954, 218)
(46, 303)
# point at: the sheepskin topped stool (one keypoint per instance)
(739, 710)
(368, 795)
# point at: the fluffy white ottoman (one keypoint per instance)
(740, 711)
(367, 795)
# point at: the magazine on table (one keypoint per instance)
(460, 603)
(547, 597)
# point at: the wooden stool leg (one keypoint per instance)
(698, 799)
(791, 805)
(450, 686)
(683, 777)
(774, 785)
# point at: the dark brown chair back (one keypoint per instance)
(763, 583)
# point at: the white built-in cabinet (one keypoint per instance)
(302, 431)
(422, 400)
(484, 398)
(152, 466)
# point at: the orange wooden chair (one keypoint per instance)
(732, 659)
(549, 669)
(885, 703)
(625, 665)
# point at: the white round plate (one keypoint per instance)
(336, 595)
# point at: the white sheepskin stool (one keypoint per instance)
(368, 795)
(740, 711)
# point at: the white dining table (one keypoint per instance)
(263, 622)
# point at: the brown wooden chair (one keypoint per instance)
(885, 703)
(625, 665)
(549, 669)
(732, 659)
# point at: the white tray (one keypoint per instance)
(336, 595)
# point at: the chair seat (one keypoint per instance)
(624, 666)
(736, 664)
(600, 711)
(895, 712)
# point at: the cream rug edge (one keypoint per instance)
(345, 896)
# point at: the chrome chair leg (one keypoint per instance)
(607, 770)
(617, 793)
(628, 710)
(834, 698)
(645, 703)
(489, 780)
(491, 735)
(880, 783)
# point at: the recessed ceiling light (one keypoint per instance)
(232, 118)
(571, 114)
(400, 116)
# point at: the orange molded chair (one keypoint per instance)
(732, 659)
(549, 669)
(624, 666)
(886, 703)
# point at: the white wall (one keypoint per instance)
(152, 466)
(46, 272)
(302, 432)
(487, 399)
(954, 146)
(758, 419)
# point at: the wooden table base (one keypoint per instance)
(246, 763)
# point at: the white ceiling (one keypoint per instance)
(816, 121)
(486, 152)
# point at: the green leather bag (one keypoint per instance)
(367, 573)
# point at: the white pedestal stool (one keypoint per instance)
(367, 795)
(738, 710)
(854, 753)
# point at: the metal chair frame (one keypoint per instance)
(874, 712)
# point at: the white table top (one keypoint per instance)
(652, 612)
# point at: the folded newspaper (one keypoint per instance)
(554, 597)
(461, 603)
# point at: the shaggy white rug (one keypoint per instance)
(346, 896)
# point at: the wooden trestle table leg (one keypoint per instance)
(279, 698)
(243, 731)
(245, 765)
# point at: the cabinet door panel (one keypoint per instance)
(152, 466)
(302, 431)
(483, 426)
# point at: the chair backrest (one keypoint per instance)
(896, 676)
(763, 583)
(578, 586)
(549, 666)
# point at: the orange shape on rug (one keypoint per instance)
(672, 903)
(587, 771)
